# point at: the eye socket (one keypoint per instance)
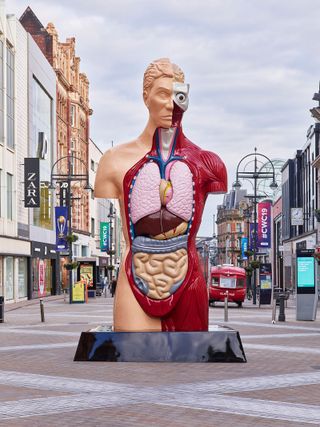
(181, 97)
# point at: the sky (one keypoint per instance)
(253, 67)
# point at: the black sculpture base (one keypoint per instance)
(102, 345)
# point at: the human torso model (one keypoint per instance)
(162, 181)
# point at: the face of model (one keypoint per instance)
(160, 102)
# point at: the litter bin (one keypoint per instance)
(1, 309)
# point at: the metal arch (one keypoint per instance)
(80, 176)
(254, 154)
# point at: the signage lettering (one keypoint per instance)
(31, 183)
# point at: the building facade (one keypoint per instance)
(299, 190)
(231, 228)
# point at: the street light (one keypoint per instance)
(63, 178)
(111, 216)
(254, 174)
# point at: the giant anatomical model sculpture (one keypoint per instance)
(162, 181)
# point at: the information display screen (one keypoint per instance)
(305, 272)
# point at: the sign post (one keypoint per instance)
(307, 292)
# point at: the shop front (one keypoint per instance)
(45, 278)
(14, 260)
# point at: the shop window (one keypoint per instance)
(22, 277)
(9, 195)
(9, 278)
(41, 146)
(1, 95)
(1, 276)
(10, 98)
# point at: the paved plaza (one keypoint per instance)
(40, 385)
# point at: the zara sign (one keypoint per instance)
(31, 182)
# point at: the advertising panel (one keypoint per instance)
(104, 236)
(61, 217)
(86, 274)
(42, 279)
(252, 234)
(264, 225)
(305, 267)
(78, 292)
(244, 247)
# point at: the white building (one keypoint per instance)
(26, 235)
(14, 250)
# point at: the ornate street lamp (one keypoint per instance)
(62, 177)
(254, 174)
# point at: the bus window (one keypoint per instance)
(240, 283)
(228, 282)
(215, 281)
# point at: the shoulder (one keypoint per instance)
(216, 172)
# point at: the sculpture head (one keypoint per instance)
(165, 93)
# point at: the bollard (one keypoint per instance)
(226, 307)
(282, 317)
(1, 309)
(42, 310)
(274, 311)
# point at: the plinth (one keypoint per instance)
(101, 344)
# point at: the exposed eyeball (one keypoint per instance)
(180, 95)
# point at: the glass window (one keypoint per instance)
(22, 277)
(84, 250)
(73, 115)
(1, 209)
(41, 146)
(9, 278)
(240, 283)
(10, 98)
(215, 281)
(92, 165)
(92, 227)
(1, 275)
(1, 94)
(9, 196)
(228, 282)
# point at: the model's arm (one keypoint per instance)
(106, 185)
(217, 181)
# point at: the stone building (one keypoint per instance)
(231, 228)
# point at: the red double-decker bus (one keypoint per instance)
(228, 280)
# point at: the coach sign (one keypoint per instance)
(31, 182)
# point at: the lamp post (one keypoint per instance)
(254, 174)
(62, 176)
(111, 217)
